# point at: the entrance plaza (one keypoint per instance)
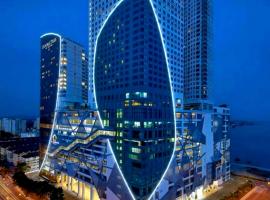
(80, 189)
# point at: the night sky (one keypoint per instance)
(241, 52)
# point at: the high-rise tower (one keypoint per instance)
(133, 94)
(149, 66)
(197, 52)
(170, 21)
(169, 17)
(63, 80)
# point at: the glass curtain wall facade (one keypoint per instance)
(202, 153)
(49, 73)
(170, 20)
(139, 74)
(73, 78)
(134, 96)
(63, 80)
(197, 51)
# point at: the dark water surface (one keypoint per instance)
(251, 144)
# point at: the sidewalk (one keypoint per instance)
(229, 187)
(70, 196)
(258, 193)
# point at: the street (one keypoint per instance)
(9, 191)
(260, 192)
(5, 193)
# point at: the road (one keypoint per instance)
(260, 192)
(5, 193)
(9, 191)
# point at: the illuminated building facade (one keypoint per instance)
(188, 57)
(202, 157)
(169, 15)
(77, 158)
(64, 63)
(80, 159)
(221, 162)
(170, 21)
(133, 94)
(148, 80)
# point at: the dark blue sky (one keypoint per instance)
(241, 70)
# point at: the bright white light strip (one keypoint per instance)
(119, 169)
(31, 172)
(48, 34)
(57, 95)
(94, 63)
(173, 102)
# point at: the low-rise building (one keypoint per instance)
(202, 156)
(21, 150)
(29, 134)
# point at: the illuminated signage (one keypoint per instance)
(49, 44)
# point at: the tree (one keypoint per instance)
(22, 167)
(41, 188)
(57, 194)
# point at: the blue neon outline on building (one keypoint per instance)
(57, 96)
(172, 95)
(168, 71)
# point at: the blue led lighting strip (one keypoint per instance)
(108, 141)
(173, 102)
(57, 95)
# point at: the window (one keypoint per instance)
(137, 124)
(119, 113)
(135, 150)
